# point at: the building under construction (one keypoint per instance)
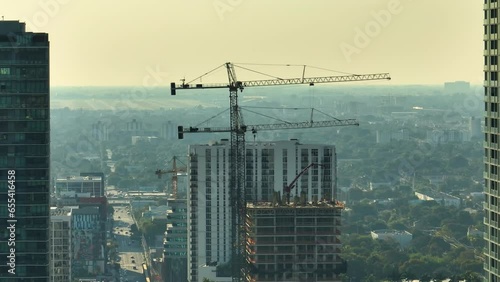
(294, 241)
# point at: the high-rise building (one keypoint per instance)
(60, 244)
(475, 127)
(100, 131)
(24, 153)
(270, 166)
(491, 144)
(134, 125)
(175, 242)
(168, 131)
(298, 241)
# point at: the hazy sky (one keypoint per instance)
(153, 42)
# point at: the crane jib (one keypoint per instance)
(288, 81)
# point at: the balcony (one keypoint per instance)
(490, 21)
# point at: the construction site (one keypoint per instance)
(297, 241)
(236, 219)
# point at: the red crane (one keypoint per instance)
(175, 172)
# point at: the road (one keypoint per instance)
(129, 251)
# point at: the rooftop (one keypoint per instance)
(391, 231)
(80, 178)
(7, 27)
(292, 205)
(56, 211)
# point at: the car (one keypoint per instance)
(132, 257)
(135, 267)
(133, 261)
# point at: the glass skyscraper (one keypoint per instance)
(24, 153)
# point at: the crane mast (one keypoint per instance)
(175, 170)
(236, 175)
(237, 130)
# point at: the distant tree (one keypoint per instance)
(133, 228)
(377, 225)
(113, 179)
(361, 210)
(356, 194)
(111, 209)
(397, 225)
(440, 274)
(370, 278)
(344, 277)
(470, 276)
(425, 278)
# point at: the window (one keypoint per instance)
(493, 13)
(494, 44)
(493, 185)
(493, 29)
(494, 122)
(494, 138)
(494, 107)
(494, 60)
(4, 71)
(494, 154)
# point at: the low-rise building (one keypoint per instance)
(402, 237)
(60, 244)
(88, 248)
(81, 184)
(441, 198)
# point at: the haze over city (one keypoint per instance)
(110, 43)
(249, 140)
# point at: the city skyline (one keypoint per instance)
(140, 45)
(388, 171)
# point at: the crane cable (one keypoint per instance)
(209, 119)
(296, 65)
(199, 77)
(284, 121)
(265, 74)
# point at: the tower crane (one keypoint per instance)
(175, 172)
(238, 129)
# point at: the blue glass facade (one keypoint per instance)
(24, 152)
